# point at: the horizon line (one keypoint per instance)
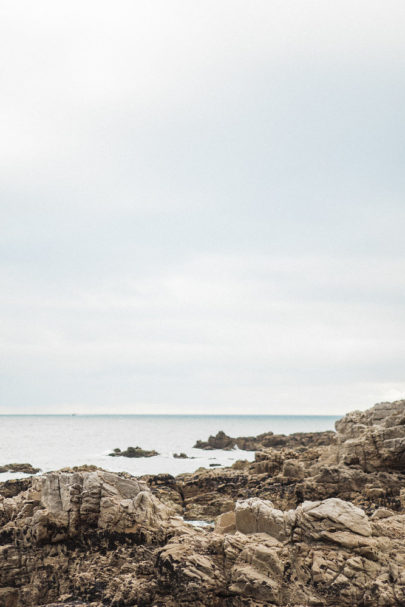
(171, 414)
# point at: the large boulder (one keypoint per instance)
(311, 519)
(373, 439)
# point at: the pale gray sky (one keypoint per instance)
(202, 205)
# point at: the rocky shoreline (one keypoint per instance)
(23, 468)
(318, 519)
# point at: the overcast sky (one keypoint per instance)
(202, 205)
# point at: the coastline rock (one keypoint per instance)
(267, 440)
(322, 466)
(72, 534)
(219, 441)
(373, 439)
(133, 452)
(306, 524)
(25, 468)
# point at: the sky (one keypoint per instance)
(201, 206)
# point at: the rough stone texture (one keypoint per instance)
(374, 439)
(362, 463)
(304, 526)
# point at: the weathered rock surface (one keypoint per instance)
(133, 452)
(73, 535)
(300, 526)
(361, 463)
(374, 439)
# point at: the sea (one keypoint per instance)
(51, 442)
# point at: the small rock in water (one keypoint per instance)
(25, 468)
(133, 452)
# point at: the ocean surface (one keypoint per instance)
(51, 442)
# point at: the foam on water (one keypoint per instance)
(51, 442)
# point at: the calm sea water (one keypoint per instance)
(51, 442)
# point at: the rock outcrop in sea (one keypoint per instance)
(133, 452)
(268, 439)
(24, 468)
(307, 525)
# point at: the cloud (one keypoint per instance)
(209, 332)
(202, 205)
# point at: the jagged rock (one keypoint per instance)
(313, 519)
(181, 456)
(316, 469)
(98, 538)
(25, 468)
(323, 553)
(72, 534)
(167, 488)
(133, 452)
(219, 441)
(373, 439)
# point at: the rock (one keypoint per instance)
(181, 456)
(266, 440)
(331, 515)
(259, 516)
(381, 513)
(315, 467)
(373, 439)
(226, 523)
(75, 534)
(318, 554)
(25, 468)
(105, 539)
(219, 441)
(8, 597)
(14, 486)
(133, 452)
(167, 488)
(305, 524)
(293, 470)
